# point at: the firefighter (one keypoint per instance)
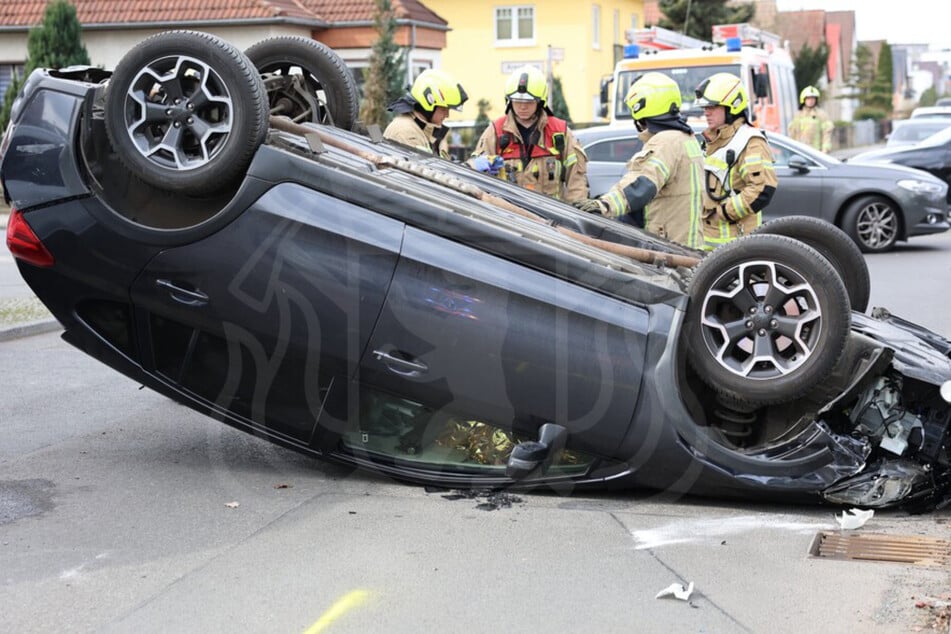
(421, 112)
(739, 177)
(662, 189)
(537, 149)
(812, 125)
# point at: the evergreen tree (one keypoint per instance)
(882, 89)
(861, 74)
(386, 74)
(56, 43)
(557, 101)
(810, 65)
(703, 15)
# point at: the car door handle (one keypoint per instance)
(183, 295)
(405, 367)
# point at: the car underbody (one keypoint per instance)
(365, 304)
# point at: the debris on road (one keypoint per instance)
(853, 518)
(677, 591)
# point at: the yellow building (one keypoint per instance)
(579, 41)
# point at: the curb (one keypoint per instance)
(29, 329)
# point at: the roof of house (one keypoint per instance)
(29, 13)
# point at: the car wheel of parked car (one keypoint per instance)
(306, 81)
(185, 111)
(873, 222)
(835, 245)
(767, 320)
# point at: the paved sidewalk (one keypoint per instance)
(21, 313)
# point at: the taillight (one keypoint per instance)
(24, 244)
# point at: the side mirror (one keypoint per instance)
(799, 164)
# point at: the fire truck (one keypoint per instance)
(754, 55)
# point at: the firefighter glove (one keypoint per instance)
(591, 205)
(489, 164)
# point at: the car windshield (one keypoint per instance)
(914, 132)
(938, 138)
(687, 77)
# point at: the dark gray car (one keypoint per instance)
(877, 205)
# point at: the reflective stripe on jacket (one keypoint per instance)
(556, 166)
(673, 161)
(405, 129)
(750, 184)
(812, 126)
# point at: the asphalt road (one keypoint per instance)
(121, 511)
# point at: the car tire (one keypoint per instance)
(767, 320)
(835, 245)
(306, 81)
(873, 223)
(186, 111)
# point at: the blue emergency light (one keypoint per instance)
(632, 51)
(734, 44)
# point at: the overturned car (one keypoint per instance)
(208, 223)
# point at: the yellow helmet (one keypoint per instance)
(527, 83)
(808, 91)
(652, 95)
(436, 88)
(723, 89)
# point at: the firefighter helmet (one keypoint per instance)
(723, 89)
(527, 83)
(436, 88)
(652, 95)
(808, 91)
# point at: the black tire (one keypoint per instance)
(835, 245)
(306, 81)
(873, 222)
(185, 111)
(767, 320)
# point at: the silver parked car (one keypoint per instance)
(877, 205)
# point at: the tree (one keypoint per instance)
(697, 17)
(882, 88)
(810, 65)
(56, 43)
(557, 101)
(928, 96)
(862, 74)
(385, 79)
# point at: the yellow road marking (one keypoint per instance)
(345, 603)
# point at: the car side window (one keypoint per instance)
(613, 150)
(782, 156)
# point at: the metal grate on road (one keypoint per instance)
(906, 549)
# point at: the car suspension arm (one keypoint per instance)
(635, 253)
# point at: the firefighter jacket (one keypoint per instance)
(665, 179)
(737, 190)
(552, 163)
(812, 126)
(412, 130)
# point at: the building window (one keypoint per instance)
(617, 27)
(596, 26)
(515, 26)
(7, 73)
(634, 21)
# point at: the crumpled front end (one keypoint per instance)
(904, 411)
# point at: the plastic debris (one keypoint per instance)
(677, 591)
(232, 505)
(853, 518)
